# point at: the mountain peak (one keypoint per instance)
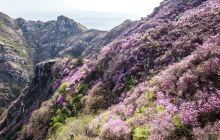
(62, 17)
(6, 19)
(4, 16)
(65, 24)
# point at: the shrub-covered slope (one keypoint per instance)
(160, 81)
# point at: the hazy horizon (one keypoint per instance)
(90, 19)
(96, 14)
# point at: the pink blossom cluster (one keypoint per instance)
(162, 126)
(188, 113)
(115, 130)
(209, 131)
(208, 101)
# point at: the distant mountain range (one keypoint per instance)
(92, 20)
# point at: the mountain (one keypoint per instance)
(47, 39)
(15, 64)
(65, 37)
(26, 43)
(158, 78)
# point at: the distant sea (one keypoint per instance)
(92, 20)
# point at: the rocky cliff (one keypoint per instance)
(65, 37)
(159, 79)
(15, 65)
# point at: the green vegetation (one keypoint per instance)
(129, 83)
(181, 129)
(149, 95)
(159, 109)
(140, 133)
(73, 126)
(65, 34)
(72, 106)
(176, 121)
(60, 89)
(140, 110)
(80, 61)
(82, 88)
(75, 103)
(177, 18)
(19, 48)
(1, 23)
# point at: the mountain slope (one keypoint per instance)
(65, 37)
(14, 62)
(159, 81)
(25, 43)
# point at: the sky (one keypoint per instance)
(98, 14)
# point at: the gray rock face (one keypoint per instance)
(65, 37)
(66, 25)
(15, 65)
(29, 99)
(47, 39)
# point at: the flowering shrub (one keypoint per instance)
(188, 113)
(161, 126)
(208, 101)
(115, 130)
(188, 80)
(60, 100)
(209, 131)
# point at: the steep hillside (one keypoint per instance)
(14, 62)
(159, 80)
(26, 43)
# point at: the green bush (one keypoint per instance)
(159, 109)
(140, 133)
(59, 116)
(181, 129)
(129, 83)
(62, 86)
(177, 18)
(176, 121)
(74, 125)
(149, 95)
(140, 110)
(60, 89)
(82, 88)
